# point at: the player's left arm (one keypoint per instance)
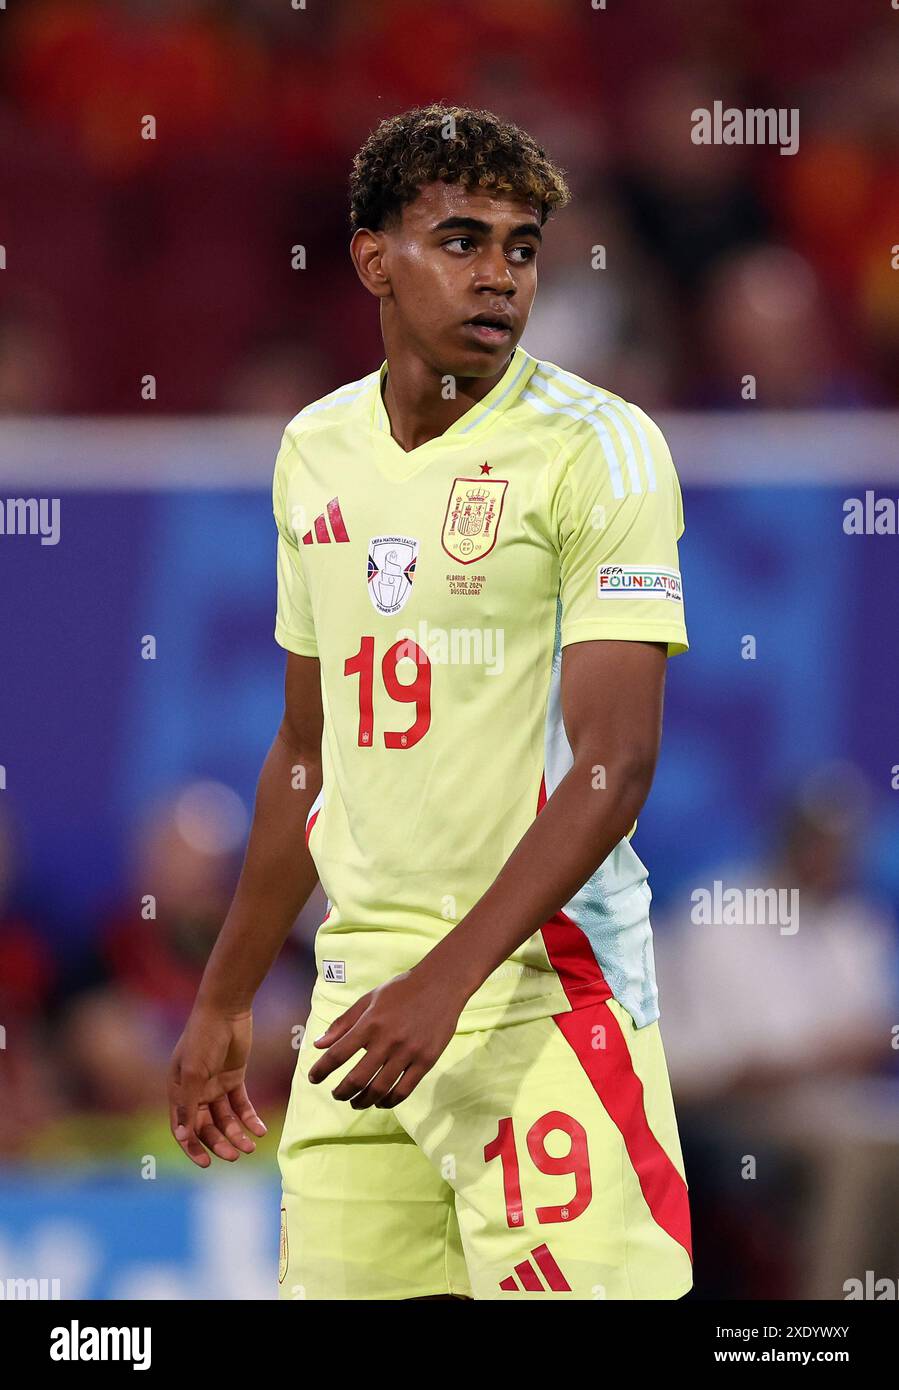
(616, 513)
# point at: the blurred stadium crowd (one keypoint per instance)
(89, 1034)
(128, 256)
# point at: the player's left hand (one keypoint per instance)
(403, 1026)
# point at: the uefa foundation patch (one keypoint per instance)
(638, 581)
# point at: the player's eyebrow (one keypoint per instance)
(475, 224)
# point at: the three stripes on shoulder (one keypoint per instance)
(553, 391)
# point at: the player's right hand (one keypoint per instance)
(208, 1101)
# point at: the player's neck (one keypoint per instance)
(419, 404)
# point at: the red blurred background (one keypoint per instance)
(172, 256)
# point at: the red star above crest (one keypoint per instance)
(485, 467)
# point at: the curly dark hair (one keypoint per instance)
(453, 143)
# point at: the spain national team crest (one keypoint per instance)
(472, 518)
(391, 570)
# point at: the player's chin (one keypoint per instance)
(476, 355)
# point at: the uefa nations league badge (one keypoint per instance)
(391, 569)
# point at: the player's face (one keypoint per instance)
(463, 274)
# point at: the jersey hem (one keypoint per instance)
(487, 1016)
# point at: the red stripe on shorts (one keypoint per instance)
(611, 1070)
(611, 1073)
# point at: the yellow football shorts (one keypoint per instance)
(536, 1160)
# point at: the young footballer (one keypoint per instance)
(478, 589)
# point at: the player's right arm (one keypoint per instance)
(208, 1101)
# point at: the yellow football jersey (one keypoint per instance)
(437, 588)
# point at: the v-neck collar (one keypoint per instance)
(398, 463)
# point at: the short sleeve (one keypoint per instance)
(294, 628)
(617, 516)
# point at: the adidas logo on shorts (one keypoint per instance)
(529, 1277)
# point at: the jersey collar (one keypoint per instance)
(509, 387)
